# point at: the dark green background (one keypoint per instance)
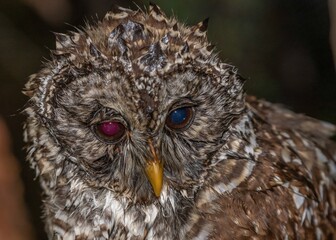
(280, 46)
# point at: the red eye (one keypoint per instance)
(109, 132)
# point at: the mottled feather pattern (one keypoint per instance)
(243, 169)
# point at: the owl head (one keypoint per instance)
(137, 104)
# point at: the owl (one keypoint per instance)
(137, 130)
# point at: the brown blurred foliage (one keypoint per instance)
(14, 224)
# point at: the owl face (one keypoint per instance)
(137, 103)
(118, 126)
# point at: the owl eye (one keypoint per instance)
(180, 118)
(109, 131)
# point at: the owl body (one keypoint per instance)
(137, 130)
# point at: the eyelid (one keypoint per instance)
(181, 104)
(104, 114)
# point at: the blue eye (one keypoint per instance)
(179, 118)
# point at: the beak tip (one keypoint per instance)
(157, 193)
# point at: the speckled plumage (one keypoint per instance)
(243, 169)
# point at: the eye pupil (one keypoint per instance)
(180, 118)
(110, 128)
(110, 131)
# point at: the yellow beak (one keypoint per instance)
(154, 171)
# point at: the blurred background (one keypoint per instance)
(283, 48)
